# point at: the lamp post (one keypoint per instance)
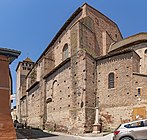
(96, 125)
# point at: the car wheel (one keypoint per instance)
(126, 138)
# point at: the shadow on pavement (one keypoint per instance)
(32, 133)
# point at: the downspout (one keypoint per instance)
(45, 105)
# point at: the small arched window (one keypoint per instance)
(54, 86)
(65, 52)
(145, 52)
(111, 80)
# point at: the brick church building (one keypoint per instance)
(88, 64)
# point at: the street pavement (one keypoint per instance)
(107, 137)
(83, 137)
(41, 135)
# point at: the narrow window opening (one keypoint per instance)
(139, 91)
(65, 52)
(145, 51)
(111, 80)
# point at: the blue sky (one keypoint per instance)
(30, 25)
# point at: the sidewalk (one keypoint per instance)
(99, 137)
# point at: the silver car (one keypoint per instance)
(136, 130)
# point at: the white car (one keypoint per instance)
(136, 130)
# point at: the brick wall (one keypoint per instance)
(113, 102)
(33, 106)
(103, 24)
(58, 89)
(7, 130)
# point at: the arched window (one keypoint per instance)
(145, 52)
(111, 80)
(65, 52)
(54, 86)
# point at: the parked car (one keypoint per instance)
(18, 125)
(136, 130)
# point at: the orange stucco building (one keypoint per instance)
(7, 131)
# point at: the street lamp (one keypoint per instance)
(96, 125)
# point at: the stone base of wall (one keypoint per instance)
(90, 118)
(50, 126)
(112, 117)
(61, 128)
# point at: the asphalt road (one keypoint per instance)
(33, 134)
(36, 134)
(108, 137)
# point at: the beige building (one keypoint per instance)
(87, 64)
(22, 70)
(13, 113)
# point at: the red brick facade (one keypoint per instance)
(7, 131)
